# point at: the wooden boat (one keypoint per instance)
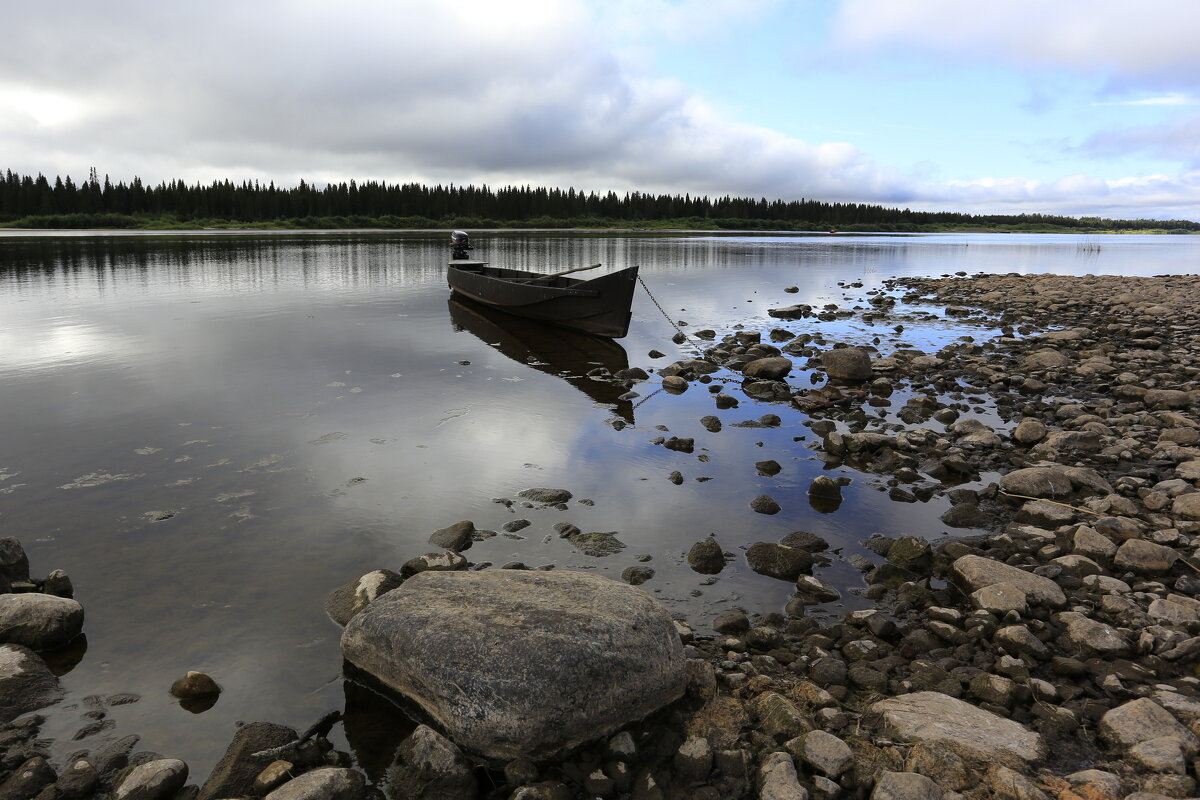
(599, 306)
(556, 351)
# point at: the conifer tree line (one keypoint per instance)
(64, 203)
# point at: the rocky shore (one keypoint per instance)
(1050, 653)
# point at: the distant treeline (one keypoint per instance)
(27, 201)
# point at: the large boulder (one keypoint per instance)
(39, 621)
(1037, 482)
(847, 363)
(971, 732)
(772, 368)
(26, 683)
(521, 663)
(973, 572)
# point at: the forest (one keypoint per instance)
(37, 202)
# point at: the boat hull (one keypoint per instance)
(600, 306)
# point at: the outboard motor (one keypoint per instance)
(460, 245)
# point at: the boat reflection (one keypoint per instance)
(550, 349)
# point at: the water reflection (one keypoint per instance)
(555, 351)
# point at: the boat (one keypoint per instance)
(556, 351)
(599, 306)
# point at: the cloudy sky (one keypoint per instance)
(1081, 107)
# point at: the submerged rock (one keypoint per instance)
(26, 683)
(515, 663)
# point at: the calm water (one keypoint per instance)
(210, 432)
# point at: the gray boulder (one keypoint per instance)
(39, 621)
(155, 780)
(26, 683)
(847, 363)
(971, 732)
(1037, 482)
(350, 598)
(521, 663)
(778, 561)
(975, 572)
(1141, 720)
(1144, 558)
(234, 774)
(706, 557)
(446, 561)
(906, 786)
(327, 783)
(456, 537)
(772, 368)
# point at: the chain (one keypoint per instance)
(660, 308)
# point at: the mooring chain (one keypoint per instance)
(660, 308)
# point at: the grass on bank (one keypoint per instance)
(169, 222)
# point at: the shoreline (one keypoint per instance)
(1111, 442)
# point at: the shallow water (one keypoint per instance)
(209, 432)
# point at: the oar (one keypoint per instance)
(560, 274)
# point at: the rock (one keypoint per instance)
(946, 768)
(1007, 784)
(1000, 598)
(570, 656)
(847, 363)
(1089, 542)
(1141, 720)
(675, 384)
(825, 488)
(27, 780)
(456, 537)
(765, 504)
(777, 779)
(350, 598)
(706, 557)
(39, 621)
(325, 783)
(1164, 754)
(447, 561)
(733, 621)
(26, 683)
(194, 684)
(429, 766)
(1029, 431)
(272, 777)
(1037, 482)
(778, 717)
(155, 780)
(636, 576)
(14, 564)
(773, 368)
(1167, 398)
(825, 752)
(1047, 358)
(1187, 506)
(1144, 558)
(778, 561)
(905, 786)
(975, 572)
(234, 774)
(597, 543)
(546, 495)
(78, 781)
(1087, 637)
(693, 760)
(711, 424)
(971, 732)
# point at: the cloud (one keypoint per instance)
(1177, 140)
(1151, 42)
(467, 91)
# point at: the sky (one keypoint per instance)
(1077, 107)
